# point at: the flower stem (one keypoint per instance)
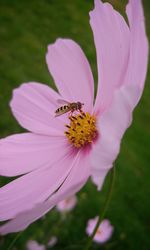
(14, 241)
(102, 214)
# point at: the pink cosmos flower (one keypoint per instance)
(34, 245)
(53, 164)
(67, 204)
(52, 241)
(104, 231)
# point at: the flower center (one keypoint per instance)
(82, 129)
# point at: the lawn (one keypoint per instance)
(26, 28)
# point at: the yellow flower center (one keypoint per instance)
(82, 129)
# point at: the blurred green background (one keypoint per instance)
(26, 28)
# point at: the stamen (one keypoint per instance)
(67, 126)
(67, 133)
(82, 129)
(81, 116)
(74, 117)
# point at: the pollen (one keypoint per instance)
(81, 130)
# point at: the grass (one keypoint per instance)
(27, 27)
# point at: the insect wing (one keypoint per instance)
(62, 102)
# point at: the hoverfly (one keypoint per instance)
(68, 107)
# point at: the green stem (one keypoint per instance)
(102, 215)
(14, 241)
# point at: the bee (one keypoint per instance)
(68, 107)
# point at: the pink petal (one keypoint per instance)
(114, 122)
(22, 153)
(104, 231)
(137, 67)
(67, 204)
(73, 183)
(34, 106)
(25, 192)
(98, 173)
(91, 225)
(34, 245)
(112, 125)
(71, 72)
(111, 36)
